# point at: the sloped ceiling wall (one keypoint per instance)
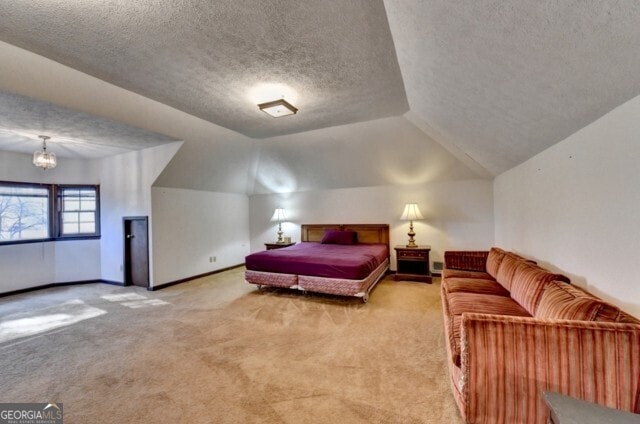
(73, 134)
(390, 151)
(212, 158)
(504, 80)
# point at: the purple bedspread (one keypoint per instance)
(353, 262)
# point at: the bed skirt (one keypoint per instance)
(307, 283)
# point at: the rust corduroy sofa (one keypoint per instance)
(515, 330)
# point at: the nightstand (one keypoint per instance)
(271, 246)
(412, 263)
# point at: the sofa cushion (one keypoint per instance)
(574, 291)
(461, 302)
(579, 301)
(474, 285)
(611, 313)
(507, 268)
(528, 283)
(461, 273)
(496, 255)
(560, 301)
(607, 312)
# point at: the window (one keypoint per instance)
(24, 212)
(27, 212)
(78, 209)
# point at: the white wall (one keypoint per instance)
(458, 214)
(18, 167)
(191, 226)
(125, 190)
(575, 207)
(35, 264)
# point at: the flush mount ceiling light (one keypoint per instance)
(278, 108)
(42, 158)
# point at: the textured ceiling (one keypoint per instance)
(504, 80)
(335, 61)
(73, 134)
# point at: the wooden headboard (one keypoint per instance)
(367, 233)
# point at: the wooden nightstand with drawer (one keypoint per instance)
(271, 246)
(412, 263)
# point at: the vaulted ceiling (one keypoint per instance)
(493, 82)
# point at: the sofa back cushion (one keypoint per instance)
(507, 268)
(468, 260)
(565, 301)
(496, 255)
(562, 301)
(611, 313)
(528, 284)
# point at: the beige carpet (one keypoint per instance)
(216, 350)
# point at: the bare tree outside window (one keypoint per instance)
(24, 213)
(32, 212)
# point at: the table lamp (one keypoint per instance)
(279, 216)
(411, 213)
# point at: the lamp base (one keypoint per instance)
(280, 239)
(411, 234)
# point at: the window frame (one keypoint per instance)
(55, 212)
(58, 191)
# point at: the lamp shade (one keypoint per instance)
(411, 212)
(279, 215)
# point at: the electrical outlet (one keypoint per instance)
(212, 258)
(121, 268)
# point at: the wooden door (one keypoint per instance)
(136, 251)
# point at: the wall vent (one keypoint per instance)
(437, 266)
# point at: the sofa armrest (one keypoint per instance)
(466, 260)
(508, 362)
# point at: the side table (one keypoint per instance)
(271, 246)
(412, 263)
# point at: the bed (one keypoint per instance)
(338, 259)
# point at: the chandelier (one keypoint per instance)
(42, 158)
